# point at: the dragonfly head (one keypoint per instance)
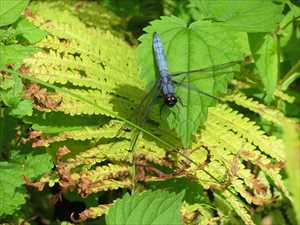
(170, 100)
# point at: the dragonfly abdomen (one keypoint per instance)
(160, 57)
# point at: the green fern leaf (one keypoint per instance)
(101, 68)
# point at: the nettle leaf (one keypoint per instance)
(264, 51)
(290, 36)
(13, 193)
(12, 54)
(242, 15)
(24, 108)
(199, 45)
(11, 10)
(30, 32)
(11, 91)
(147, 208)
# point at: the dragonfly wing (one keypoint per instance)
(208, 72)
(140, 112)
(197, 90)
(143, 108)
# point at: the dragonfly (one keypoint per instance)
(165, 86)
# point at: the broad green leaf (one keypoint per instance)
(14, 54)
(290, 37)
(289, 42)
(150, 208)
(199, 45)
(264, 51)
(10, 10)
(13, 193)
(24, 108)
(11, 91)
(30, 32)
(194, 192)
(242, 15)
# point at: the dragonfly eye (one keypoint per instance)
(170, 100)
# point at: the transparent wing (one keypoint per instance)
(142, 110)
(139, 116)
(217, 70)
(197, 90)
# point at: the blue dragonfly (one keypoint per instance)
(165, 85)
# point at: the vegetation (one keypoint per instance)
(73, 147)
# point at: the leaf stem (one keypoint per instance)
(289, 77)
(291, 21)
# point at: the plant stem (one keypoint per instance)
(289, 77)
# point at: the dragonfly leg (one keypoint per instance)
(149, 106)
(162, 107)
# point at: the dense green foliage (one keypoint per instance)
(73, 149)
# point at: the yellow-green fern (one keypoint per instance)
(231, 155)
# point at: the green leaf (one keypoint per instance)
(24, 108)
(13, 54)
(12, 91)
(145, 209)
(194, 192)
(13, 193)
(34, 164)
(290, 37)
(264, 51)
(11, 10)
(242, 15)
(30, 32)
(186, 48)
(292, 147)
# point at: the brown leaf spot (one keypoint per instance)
(61, 152)
(38, 185)
(259, 187)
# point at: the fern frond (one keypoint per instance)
(284, 96)
(85, 11)
(93, 212)
(232, 120)
(82, 134)
(115, 152)
(239, 208)
(265, 112)
(98, 66)
(190, 213)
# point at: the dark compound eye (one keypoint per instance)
(171, 100)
